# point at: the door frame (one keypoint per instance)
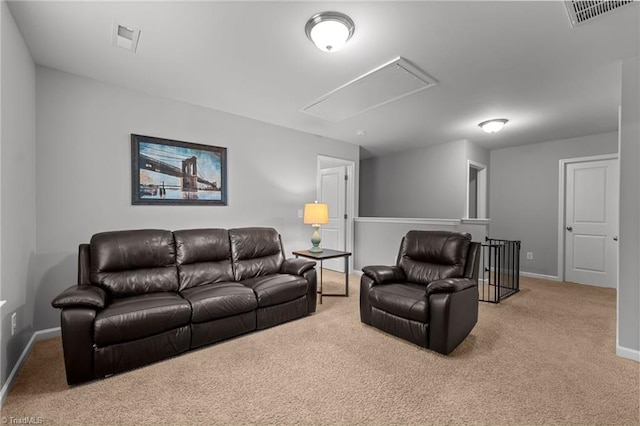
(481, 194)
(350, 193)
(562, 183)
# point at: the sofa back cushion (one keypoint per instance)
(255, 252)
(128, 263)
(203, 257)
(427, 256)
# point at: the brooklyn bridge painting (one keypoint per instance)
(166, 171)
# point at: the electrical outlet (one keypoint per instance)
(299, 213)
(529, 255)
(14, 323)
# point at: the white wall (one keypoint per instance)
(84, 172)
(629, 241)
(17, 191)
(524, 195)
(429, 182)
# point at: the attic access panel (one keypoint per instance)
(387, 83)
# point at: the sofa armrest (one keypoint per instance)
(450, 285)
(296, 266)
(87, 296)
(384, 274)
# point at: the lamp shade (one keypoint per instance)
(316, 213)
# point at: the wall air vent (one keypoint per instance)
(389, 82)
(583, 11)
(125, 37)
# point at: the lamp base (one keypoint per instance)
(315, 240)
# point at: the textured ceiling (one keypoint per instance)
(518, 60)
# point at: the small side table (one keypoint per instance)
(325, 255)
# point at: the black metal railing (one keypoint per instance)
(500, 271)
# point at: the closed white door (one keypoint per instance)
(333, 183)
(591, 223)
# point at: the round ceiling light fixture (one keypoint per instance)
(329, 31)
(493, 126)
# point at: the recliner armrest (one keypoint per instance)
(296, 266)
(384, 274)
(88, 296)
(450, 285)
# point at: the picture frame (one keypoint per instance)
(171, 172)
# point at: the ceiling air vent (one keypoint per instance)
(389, 82)
(583, 11)
(125, 37)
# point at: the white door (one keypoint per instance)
(333, 184)
(591, 223)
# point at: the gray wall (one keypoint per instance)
(421, 183)
(524, 194)
(377, 241)
(629, 243)
(17, 191)
(84, 172)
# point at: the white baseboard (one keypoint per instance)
(541, 276)
(357, 272)
(631, 354)
(38, 335)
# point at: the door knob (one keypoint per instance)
(615, 238)
(569, 228)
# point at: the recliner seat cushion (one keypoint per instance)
(129, 263)
(220, 300)
(278, 288)
(405, 300)
(427, 256)
(140, 316)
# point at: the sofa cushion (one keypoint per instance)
(427, 256)
(277, 288)
(255, 252)
(136, 317)
(405, 300)
(203, 257)
(129, 263)
(220, 300)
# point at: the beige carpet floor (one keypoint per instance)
(543, 356)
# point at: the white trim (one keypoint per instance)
(620, 351)
(540, 276)
(2, 302)
(631, 354)
(38, 335)
(351, 196)
(408, 220)
(476, 221)
(357, 272)
(562, 166)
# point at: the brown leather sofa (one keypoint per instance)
(430, 297)
(146, 295)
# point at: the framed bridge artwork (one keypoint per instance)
(169, 172)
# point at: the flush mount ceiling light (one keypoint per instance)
(493, 126)
(329, 31)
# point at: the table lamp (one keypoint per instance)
(316, 214)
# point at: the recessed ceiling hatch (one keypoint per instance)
(389, 82)
(582, 11)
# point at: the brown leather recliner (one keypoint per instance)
(146, 295)
(430, 297)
